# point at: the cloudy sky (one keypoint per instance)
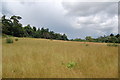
(75, 18)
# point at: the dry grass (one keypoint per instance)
(40, 58)
(0, 58)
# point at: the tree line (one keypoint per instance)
(12, 26)
(105, 39)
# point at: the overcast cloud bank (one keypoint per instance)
(76, 19)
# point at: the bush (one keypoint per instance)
(51, 39)
(16, 39)
(112, 44)
(9, 40)
(71, 64)
(87, 45)
(4, 35)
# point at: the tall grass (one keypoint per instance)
(41, 58)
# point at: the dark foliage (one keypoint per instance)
(13, 27)
(105, 39)
(9, 40)
(16, 39)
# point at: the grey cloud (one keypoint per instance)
(90, 8)
(107, 30)
(5, 10)
(90, 15)
(51, 15)
(0, 9)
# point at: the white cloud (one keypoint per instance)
(101, 17)
(74, 18)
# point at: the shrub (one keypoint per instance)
(4, 35)
(16, 39)
(71, 65)
(51, 39)
(112, 44)
(86, 45)
(9, 40)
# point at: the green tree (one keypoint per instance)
(89, 38)
(118, 35)
(111, 34)
(29, 30)
(34, 28)
(16, 26)
(7, 26)
(119, 39)
(64, 37)
(113, 39)
(13, 27)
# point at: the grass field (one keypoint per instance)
(41, 58)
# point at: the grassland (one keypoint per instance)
(41, 58)
(0, 58)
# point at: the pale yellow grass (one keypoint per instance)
(41, 58)
(0, 57)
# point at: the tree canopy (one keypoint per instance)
(105, 39)
(12, 26)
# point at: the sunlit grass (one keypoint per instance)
(41, 58)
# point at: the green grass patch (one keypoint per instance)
(9, 40)
(71, 65)
(112, 44)
(86, 44)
